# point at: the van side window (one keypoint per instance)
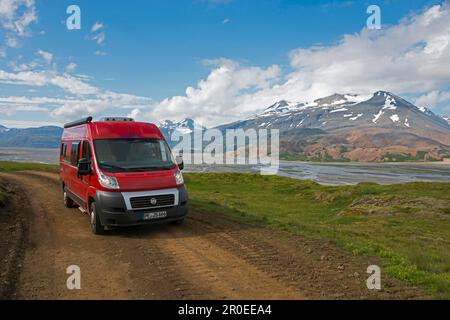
(86, 152)
(63, 150)
(75, 151)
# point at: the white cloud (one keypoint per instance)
(225, 21)
(135, 113)
(15, 17)
(216, 98)
(12, 42)
(97, 26)
(99, 38)
(409, 58)
(81, 98)
(23, 66)
(433, 98)
(406, 58)
(100, 53)
(47, 56)
(105, 100)
(9, 109)
(31, 108)
(69, 108)
(27, 123)
(69, 83)
(71, 66)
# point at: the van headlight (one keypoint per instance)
(107, 181)
(179, 178)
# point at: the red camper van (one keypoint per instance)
(122, 173)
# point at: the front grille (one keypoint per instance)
(163, 200)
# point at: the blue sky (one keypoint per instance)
(233, 57)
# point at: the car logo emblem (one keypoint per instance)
(153, 201)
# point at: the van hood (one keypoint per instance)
(151, 180)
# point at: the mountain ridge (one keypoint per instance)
(41, 137)
(340, 127)
(378, 127)
(382, 109)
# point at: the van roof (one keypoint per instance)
(112, 130)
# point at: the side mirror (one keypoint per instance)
(180, 162)
(84, 167)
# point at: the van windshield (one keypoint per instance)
(119, 155)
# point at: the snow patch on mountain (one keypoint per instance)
(334, 103)
(377, 116)
(357, 98)
(359, 115)
(389, 104)
(339, 110)
(185, 126)
(425, 110)
(278, 107)
(447, 119)
(406, 123)
(395, 118)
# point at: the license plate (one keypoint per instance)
(154, 215)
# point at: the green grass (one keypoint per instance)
(407, 225)
(7, 166)
(396, 157)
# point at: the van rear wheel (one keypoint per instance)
(96, 225)
(68, 203)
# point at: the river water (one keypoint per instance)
(328, 174)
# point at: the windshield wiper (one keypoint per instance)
(152, 168)
(112, 166)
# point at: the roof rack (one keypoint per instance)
(78, 122)
(117, 119)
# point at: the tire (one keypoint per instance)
(96, 226)
(177, 222)
(68, 203)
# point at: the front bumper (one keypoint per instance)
(114, 212)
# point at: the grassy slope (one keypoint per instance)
(407, 226)
(16, 166)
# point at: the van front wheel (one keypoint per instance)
(96, 225)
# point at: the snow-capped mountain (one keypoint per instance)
(382, 109)
(183, 127)
(352, 126)
(335, 101)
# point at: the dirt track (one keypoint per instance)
(209, 257)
